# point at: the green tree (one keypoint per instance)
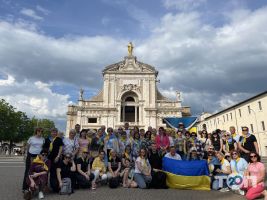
(15, 126)
(46, 124)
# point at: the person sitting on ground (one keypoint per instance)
(127, 175)
(127, 155)
(238, 167)
(142, 172)
(99, 169)
(223, 171)
(84, 176)
(193, 154)
(65, 174)
(38, 175)
(114, 165)
(34, 147)
(254, 177)
(172, 154)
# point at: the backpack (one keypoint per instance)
(114, 182)
(66, 187)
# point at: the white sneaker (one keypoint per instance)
(224, 190)
(40, 195)
(241, 192)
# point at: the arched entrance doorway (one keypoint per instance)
(129, 107)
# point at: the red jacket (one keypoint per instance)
(162, 141)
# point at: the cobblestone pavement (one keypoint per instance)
(11, 173)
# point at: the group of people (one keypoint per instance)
(133, 158)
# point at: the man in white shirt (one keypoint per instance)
(172, 154)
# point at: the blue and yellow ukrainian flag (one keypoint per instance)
(191, 175)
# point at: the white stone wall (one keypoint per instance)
(255, 118)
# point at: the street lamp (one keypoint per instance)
(257, 130)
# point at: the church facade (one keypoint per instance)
(129, 94)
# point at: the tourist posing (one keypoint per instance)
(55, 146)
(65, 174)
(172, 154)
(238, 167)
(247, 143)
(84, 176)
(142, 170)
(38, 176)
(34, 147)
(99, 169)
(254, 177)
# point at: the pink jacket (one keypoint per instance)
(164, 142)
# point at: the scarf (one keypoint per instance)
(235, 168)
(222, 161)
(244, 139)
(51, 144)
(39, 161)
(127, 155)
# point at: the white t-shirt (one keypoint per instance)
(36, 144)
(144, 164)
(225, 164)
(175, 157)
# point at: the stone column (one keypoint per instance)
(135, 114)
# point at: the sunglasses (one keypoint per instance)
(44, 154)
(254, 156)
(234, 153)
(68, 157)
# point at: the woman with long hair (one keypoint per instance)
(142, 170)
(254, 177)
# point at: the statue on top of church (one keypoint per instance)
(130, 49)
(178, 95)
(81, 94)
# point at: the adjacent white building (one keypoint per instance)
(129, 94)
(251, 113)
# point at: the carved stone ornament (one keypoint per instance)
(129, 87)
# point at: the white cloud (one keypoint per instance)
(184, 5)
(209, 64)
(30, 13)
(9, 81)
(36, 99)
(43, 10)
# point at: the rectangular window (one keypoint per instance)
(227, 117)
(239, 110)
(223, 118)
(218, 121)
(263, 125)
(251, 127)
(92, 120)
(249, 110)
(260, 107)
(231, 116)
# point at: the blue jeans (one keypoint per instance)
(142, 180)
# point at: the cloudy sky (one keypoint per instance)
(213, 51)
